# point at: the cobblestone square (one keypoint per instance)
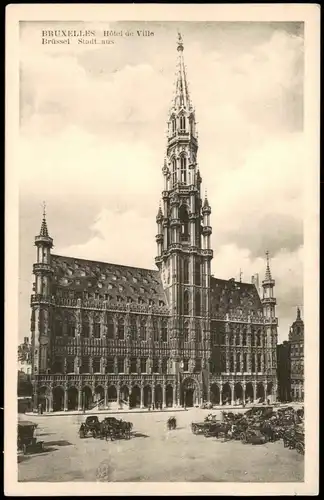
(153, 454)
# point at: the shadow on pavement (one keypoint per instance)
(139, 435)
(62, 442)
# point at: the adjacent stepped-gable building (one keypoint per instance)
(118, 335)
(296, 340)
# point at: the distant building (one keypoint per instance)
(296, 340)
(24, 357)
(283, 371)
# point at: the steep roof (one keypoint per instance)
(117, 281)
(229, 296)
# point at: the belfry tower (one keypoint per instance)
(183, 239)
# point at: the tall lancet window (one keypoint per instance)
(186, 303)
(184, 219)
(182, 124)
(173, 126)
(185, 271)
(174, 171)
(183, 169)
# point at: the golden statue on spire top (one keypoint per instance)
(180, 41)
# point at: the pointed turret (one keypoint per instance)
(268, 284)
(298, 315)
(206, 207)
(159, 216)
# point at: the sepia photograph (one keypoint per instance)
(162, 245)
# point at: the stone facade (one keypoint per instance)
(176, 336)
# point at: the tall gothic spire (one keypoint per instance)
(268, 276)
(44, 229)
(182, 99)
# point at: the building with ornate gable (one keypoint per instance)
(296, 341)
(116, 335)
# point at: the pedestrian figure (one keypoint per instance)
(153, 406)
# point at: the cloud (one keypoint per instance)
(92, 140)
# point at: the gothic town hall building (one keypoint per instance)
(117, 336)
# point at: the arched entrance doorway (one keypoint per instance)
(58, 398)
(147, 396)
(260, 392)
(99, 394)
(238, 393)
(214, 394)
(42, 398)
(169, 396)
(72, 398)
(226, 394)
(249, 394)
(189, 393)
(124, 394)
(135, 397)
(86, 398)
(158, 396)
(112, 394)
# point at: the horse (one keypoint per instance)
(171, 423)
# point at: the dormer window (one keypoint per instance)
(99, 285)
(161, 303)
(121, 288)
(77, 282)
(135, 279)
(82, 273)
(103, 277)
(107, 297)
(151, 302)
(129, 300)
(119, 298)
(141, 289)
(114, 277)
(89, 284)
(145, 280)
(140, 300)
(110, 286)
(124, 278)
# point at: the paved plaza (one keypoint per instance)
(153, 454)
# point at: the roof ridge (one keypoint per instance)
(103, 262)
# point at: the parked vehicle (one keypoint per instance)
(253, 435)
(91, 426)
(26, 440)
(113, 428)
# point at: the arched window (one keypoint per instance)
(96, 327)
(198, 304)
(186, 303)
(197, 273)
(253, 363)
(110, 328)
(182, 124)
(174, 171)
(244, 362)
(143, 330)
(185, 271)
(244, 337)
(71, 326)
(133, 328)
(198, 333)
(58, 326)
(183, 169)
(86, 327)
(121, 329)
(232, 367)
(164, 331)
(238, 362)
(155, 330)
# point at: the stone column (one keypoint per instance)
(220, 394)
(244, 388)
(142, 397)
(65, 399)
(153, 394)
(232, 394)
(118, 395)
(163, 396)
(106, 397)
(79, 399)
(254, 391)
(208, 393)
(90, 364)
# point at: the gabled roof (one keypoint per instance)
(117, 281)
(229, 296)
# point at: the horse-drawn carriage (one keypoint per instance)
(91, 426)
(113, 428)
(110, 427)
(254, 435)
(294, 438)
(26, 439)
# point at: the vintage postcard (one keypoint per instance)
(162, 173)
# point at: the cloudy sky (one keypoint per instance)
(92, 143)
